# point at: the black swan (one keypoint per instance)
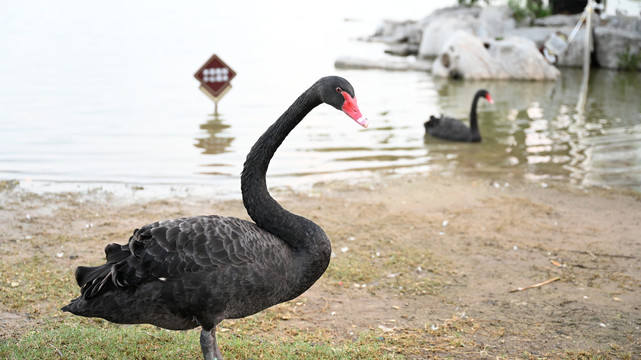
(183, 273)
(453, 129)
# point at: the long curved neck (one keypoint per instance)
(261, 207)
(474, 126)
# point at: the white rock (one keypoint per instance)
(468, 57)
(438, 32)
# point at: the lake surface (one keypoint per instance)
(103, 94)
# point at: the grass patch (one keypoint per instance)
(8, 185)
(405, 270)
(36, 284)
(628, 60)
(531, 8)
(103, 340)
(384, 250)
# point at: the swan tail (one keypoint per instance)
(93, 280)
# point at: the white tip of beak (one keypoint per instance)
(363, 122)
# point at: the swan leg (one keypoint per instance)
(209, 345)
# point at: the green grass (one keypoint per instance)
(34, 285)
(102, 340)
(73, 338)
(531, 8)
(393, 267)
(628, 60)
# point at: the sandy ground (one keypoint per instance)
(476, 241)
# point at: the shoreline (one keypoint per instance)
(159, 191)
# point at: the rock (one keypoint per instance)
(355, 63)
(521, 59)
(438, 31)
(537, 34)
(558, 20)
(495, 21)
(468, 57)
(402, 49)
(398, 32)
(427, 39)
(487, 22)
(450, 11)
(625, 23)
(465, 56)
(610, 43)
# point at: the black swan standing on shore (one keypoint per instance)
(453, 129)
(183, 273)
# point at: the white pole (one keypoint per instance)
(583, 92)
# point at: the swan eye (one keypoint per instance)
(338, 89)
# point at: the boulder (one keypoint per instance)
(613, 38)
(403, 49)
(625, 23)
(557, 20)
(398, 32)
(521, 59)
(466, 56)
(537, 34)
(438, 31)
(486, 22)
(450, 11)
(611, 43)
(495, 21)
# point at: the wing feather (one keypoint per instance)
(171, 248)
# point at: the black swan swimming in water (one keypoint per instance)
(183, 273)
(453, 129)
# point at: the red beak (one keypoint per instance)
(351, 109)
(489, 99)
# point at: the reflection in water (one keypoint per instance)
(216, 141)
(534, 128)
(389, 149)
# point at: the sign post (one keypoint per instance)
(215, 79)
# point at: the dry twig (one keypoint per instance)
(535, 285)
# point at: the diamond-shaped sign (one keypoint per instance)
(215, 76)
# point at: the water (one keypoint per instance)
(103, 94)
(535, 131)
